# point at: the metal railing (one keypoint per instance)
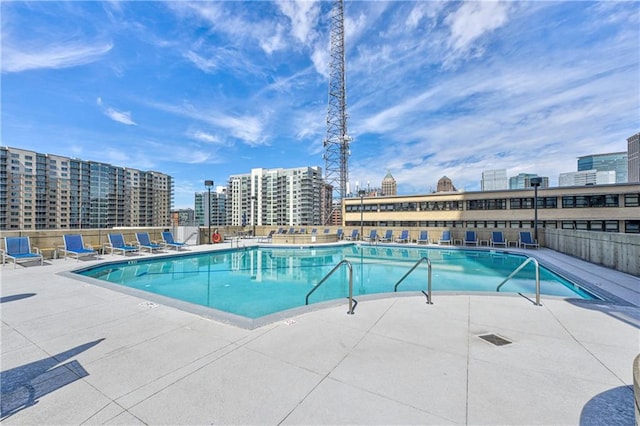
(428, 293)
(352, 306)
(518, 269)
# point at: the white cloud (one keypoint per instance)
(303, 16)
(55, 56)
(474, 19)
(120, 116)
(206, 65)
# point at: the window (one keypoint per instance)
(632, 200)
(582, 201)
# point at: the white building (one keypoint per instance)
(493, 180)
(587, 177)
(287, 197)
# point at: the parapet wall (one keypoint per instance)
(613, 250)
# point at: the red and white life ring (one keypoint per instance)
(216, 238)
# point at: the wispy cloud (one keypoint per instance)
(18, 58)
(123, 117)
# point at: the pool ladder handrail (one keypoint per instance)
(352, 306)
(518, 269)
(429, 268)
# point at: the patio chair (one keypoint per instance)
(404, 236)
(144, 242)
(267, 238)
(445, 238)
(373, 236)
(353, 236)
(74, 247)
(280, 231)
(470, 238)
(327, 230)
(340, 234)
(497, 239)
(19, 250)
(388, 236)
(423, 237)
(526, 240)
(168, 241)
(117, 244)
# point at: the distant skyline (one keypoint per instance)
(205, 90)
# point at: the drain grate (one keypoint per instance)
(495, 339)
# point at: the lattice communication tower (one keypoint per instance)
(336, 144)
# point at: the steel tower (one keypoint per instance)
(336, 144)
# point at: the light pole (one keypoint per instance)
(209, 184)
(361, 194)
(254, 199)
(535, 182)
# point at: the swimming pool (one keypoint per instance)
(258, 281)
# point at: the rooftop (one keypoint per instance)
(76, 353)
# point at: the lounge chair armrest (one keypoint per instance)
(36, 250)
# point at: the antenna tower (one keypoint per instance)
(336, 144)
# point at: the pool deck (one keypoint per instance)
(77, 353)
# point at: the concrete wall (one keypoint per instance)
(613, 250)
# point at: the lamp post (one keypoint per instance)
(535, 182)
(209, 184)
(254, 199)
(361, 194)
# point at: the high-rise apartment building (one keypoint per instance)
(586, 177)
(614, 161)
(45, 191)
(389, 185)
(523, 181)
(493, 180)
(288, 197)
(633, 161)
(217, 207)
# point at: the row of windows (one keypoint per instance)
(568, 201)
(629, 226)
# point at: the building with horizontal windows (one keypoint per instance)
(494, 180)
(609, 208)
(523, 181)
(46, 191)
(615, 161)
(633, 161)
(217, 207)
(587, 177)
(287, 197)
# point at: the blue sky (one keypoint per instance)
(204, 90)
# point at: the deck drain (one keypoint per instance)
(495, 339)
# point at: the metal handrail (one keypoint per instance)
(428, 294)
(518, 269)
(335, 268)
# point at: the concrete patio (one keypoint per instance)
(77, 353)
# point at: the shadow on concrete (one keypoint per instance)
(628, 314)
(21, 387)
(612, 407)
(15, 297)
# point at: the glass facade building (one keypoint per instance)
(615, 161)
(45, 191)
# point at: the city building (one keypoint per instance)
(287, 197)
(609, 208)
(615, 161)
(587, 177)
(523, 181)
(633, 161)
(183, 217)
(389, 185)
(493, 180)
(217, 207)
(46, 191)
(445, 185)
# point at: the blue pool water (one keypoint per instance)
(254, 282)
